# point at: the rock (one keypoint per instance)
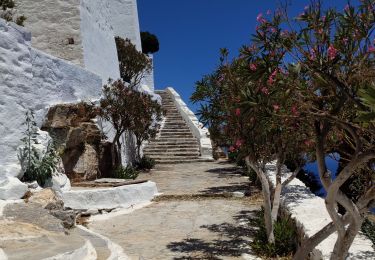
(59, 181)
(86, 167)
(48, 199)
(33, 185)
(63, 115)
(68, 217)
(74, 131)
(238, 194)
(12, 188)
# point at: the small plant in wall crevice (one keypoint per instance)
(35, 165)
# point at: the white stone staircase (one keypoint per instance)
(176, 142)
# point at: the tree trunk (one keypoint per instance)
(266, 199)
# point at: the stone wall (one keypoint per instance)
(31, 79)
(53, 24)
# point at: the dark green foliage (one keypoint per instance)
(35, 166)
(133, 64)
(285, 238)
(368, 228)
(146, 163)
(127, 173)
(128, 109)
(150, 43)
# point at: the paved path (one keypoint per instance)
(190, 225)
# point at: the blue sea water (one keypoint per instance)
(332, 162)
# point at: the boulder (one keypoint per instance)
(63, 115)
(75, 132)
(47, 199)
(87, 165)
(12, 188)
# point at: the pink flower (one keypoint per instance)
(320, 30)
(312, 54)
(371, 49)
(269, 12)
(270, 81)
(238, 112)
(276, 107)
(253, 66)
(264, 90)
(308, 143)
(273, 29)
(295, 111)
(239, 143)
(323, 18)
(347, 7)
(332, 52)
(260, 18)
(232, 149)
(345, 40)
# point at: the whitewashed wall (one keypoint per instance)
(99, 47)
(31, 79)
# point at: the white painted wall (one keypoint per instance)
(31, 79)
(99, 47)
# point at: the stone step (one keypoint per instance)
(173, 157)
(175, 140)
(164, 147)
(181, 130)
(177, 161)
(170, 149)
(157, 155)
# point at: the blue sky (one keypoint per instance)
(192, 32)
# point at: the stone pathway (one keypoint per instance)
(192, 219)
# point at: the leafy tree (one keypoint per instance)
(297, 92)
(147, 114)
(128, 109)
(133, 64)
(150, 43)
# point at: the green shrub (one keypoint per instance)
(146, 163)
(285, 238)
(368, 228)
(35, 166)
(127, 173)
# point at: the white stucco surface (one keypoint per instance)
(310, 213)
(99, 47)
(108, 198)
(31, 79)
(201, 133)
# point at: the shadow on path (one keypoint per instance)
(232, 240)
